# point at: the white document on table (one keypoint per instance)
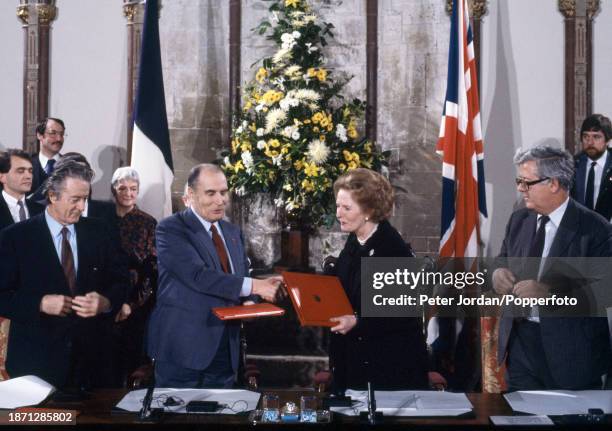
(521, 420)
(24, 391)
(559, 402)
(231, 401)
(409, 403)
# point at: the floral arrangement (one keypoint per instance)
(295, 133)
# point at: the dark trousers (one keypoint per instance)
(219, 374)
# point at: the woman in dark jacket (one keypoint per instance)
(388, 352)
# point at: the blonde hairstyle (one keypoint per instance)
(372, 192)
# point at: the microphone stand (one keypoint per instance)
(147, 414)
(371, 416)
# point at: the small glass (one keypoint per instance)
(271, 410)
(308, 408)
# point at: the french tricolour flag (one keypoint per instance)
(151, 155)
(463, 187)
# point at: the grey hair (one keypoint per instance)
(124, 173)
(195, 172)
(68, 169)
(550, 162)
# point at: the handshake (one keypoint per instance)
(268, 288)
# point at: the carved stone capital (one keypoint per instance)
(593, 7)
(568, 8)
(130, 9)
(23, 13)
(478, 8)
(46, 13)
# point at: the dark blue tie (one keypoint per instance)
(590, 188)
(49, 166)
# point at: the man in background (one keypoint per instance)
(50, 133)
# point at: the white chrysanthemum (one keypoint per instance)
(259, 132)
(261, 144)
(318, 152)
(296, 34)
(247, 159)
(304, 94)
(341, 132)
(288, 187)
(295, 135)
(292, 70)
(281, 55)
(287, 131)
(277, 160)
(274, 118)
(239, 130)
(287, 37)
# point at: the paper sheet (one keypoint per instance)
(559, 402)
(23, 391)
(521, 420)
(234, 401)
(409, 403)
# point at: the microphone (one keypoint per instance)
(371, 416)
(146, 414)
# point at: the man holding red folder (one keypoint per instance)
(202, 265)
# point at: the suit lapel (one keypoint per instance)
(566, 231)
(580, 178)
(44, 242)
(6, 218)
(84, 240)
(527, 233)
(203, 241)
(606, 178)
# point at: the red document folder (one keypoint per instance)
(317, 298)
(248, 311)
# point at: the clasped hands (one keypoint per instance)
(88, 305)
(267, 288)
(504, 283)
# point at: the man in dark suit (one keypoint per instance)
(16, 181)
(50, 133)
(59, 280)
(202, 264)
(550, 352)
(593, 182)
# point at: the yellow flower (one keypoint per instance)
(271, 153)
(298, 164)
(235, 145)
(355, 157)
(352, 133)
(311, 72)
(274, 143)
(368, 148)
(261, 75)
(347, 155)
(238, 166)
(322, 138)
(246, 146)
(311, 170)
(342, 166)
(352, 165)
(307, 121)
(253, 127)
(324, 122)
(330, 127)
(316, 118)
(315, 129)
(247, 106)
(293, 3)
(307, 185)
(285, 149)
(321, 75)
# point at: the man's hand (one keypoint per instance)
(56, 305)
(266, 288)
(503, 281)
(345, 323)
(530, 289)
(124, 313)
(90, 305)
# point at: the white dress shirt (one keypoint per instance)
(44, 159)
(13, 206)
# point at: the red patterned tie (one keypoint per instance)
(68, 261)
(220, 249)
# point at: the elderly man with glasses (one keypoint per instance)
(543, 352)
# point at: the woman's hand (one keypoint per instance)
(345, 323)
(124, 313)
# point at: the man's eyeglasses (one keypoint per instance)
(56, 133)
(523, 183)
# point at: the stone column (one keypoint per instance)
(235, 16)
(578, 65)
(371, 68)
(36, 16)
(133, 10)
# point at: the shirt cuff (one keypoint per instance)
(247, 286)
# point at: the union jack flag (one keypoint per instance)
(464, 206)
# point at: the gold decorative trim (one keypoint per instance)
(46, 13)
(593, 8)
(568, 8)
(478, 8)
(129, 11)
(23, 13)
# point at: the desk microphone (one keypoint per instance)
(372, 416)
(146, 414)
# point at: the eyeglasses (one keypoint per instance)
(56, 133)
(593, 136)
(523, 183)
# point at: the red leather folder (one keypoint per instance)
(248, 311)
(317, 298)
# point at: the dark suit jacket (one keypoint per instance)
(183, 330)
(38, 175)
(604, 199)
(577, 349)
(6, 219)
(41, 344)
